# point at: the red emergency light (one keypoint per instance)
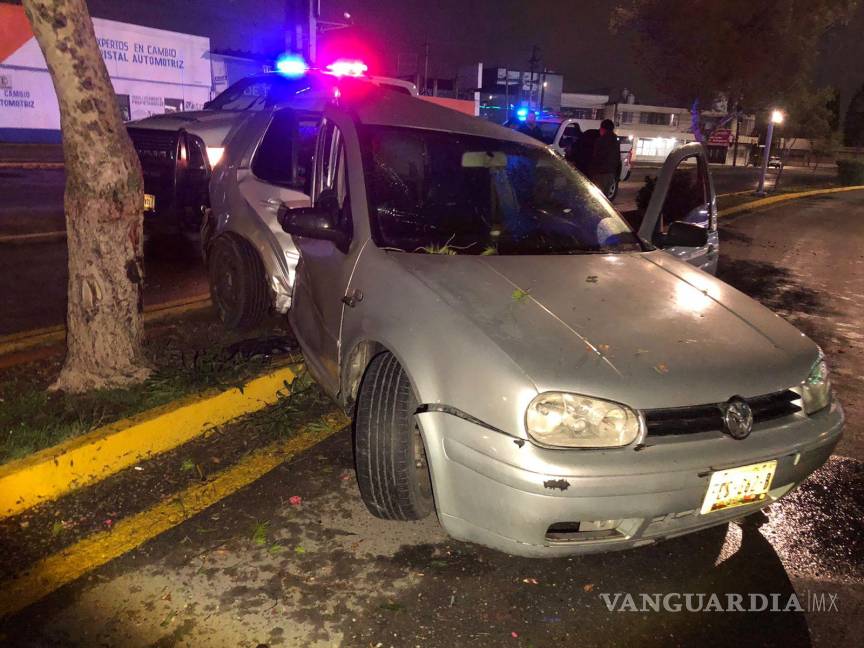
(344, 67)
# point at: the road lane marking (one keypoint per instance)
(55, 471)
(57, 570)
(773, 200)
(152, 313)
(35, 237)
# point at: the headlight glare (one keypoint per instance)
(572, 421)
(816, 390)
(214, 154)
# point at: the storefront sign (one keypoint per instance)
(152, 70)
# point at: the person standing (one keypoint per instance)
(530, 127)
(606, 158)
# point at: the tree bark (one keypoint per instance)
(103, 204)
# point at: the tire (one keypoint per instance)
(392, 471)
(237, 284)
(612, 191)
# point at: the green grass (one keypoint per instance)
(188, 358)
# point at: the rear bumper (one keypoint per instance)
(498, 491)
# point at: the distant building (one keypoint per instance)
(161, 56)
(578, 105)
(504, 91)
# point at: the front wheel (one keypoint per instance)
(237, 284)
(389, 455)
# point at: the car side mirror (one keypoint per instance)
(682, 234)
(318, 222)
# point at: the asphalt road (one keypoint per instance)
(33, 276)
(343, 577)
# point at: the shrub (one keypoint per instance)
(850, 172)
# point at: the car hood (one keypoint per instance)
(213, 126)
(642, 329)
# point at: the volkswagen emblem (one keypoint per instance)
(738, 419)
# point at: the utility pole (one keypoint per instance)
(776, 118)
(302, 32)
(314, 10)
(425, 68)
(506, 94)
(533, 61)
(737, 134)
(542, 89)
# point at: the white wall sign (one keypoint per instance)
(152, 70)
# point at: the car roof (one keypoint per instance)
(382, 108)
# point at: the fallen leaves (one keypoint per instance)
(661, 368)
(295, 500)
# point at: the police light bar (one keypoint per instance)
(348, 68)
(291, 65)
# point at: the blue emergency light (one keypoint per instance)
(522, 114)
(291, 65)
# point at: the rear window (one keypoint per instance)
(258, 93)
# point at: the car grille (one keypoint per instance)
(709, 418)
(154, 144)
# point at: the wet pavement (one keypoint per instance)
(256, 569)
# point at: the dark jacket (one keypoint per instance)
(607, 155)
(582, 150)
(531, 131)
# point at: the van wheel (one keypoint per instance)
(237, 284)
(612, 190)
(392, 470)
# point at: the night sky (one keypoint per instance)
(573, 36)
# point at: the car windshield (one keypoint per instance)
(258, 93)
(445, 193)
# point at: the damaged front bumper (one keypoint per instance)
(511, 495)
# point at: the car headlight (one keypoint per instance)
(214, 154)
(816, 390)
(574, 421)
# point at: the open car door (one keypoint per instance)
(681, 218)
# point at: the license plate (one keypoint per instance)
(149, 202)
(739, 486)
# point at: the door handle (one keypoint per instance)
(352, 298)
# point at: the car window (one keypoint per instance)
(331, 172)
(258, 93)
(688, 196)
(434, 191)
(284, 155)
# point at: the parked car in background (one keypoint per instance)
(179, 150)
(517, 358)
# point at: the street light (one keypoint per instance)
(776, 118)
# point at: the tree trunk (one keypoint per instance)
(103, 205)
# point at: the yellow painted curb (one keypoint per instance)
(62, 568)
(36, 237)
(773, 200)
(50, 473)
(47, 335)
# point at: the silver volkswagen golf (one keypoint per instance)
(522, 362)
